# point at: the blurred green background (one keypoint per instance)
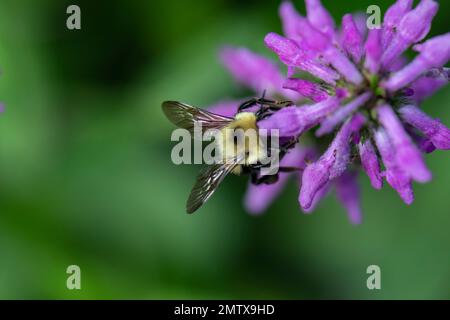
(86, 176)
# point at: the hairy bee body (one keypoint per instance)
(240, 140)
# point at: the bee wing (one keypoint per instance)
(207, 182)
(186, 116)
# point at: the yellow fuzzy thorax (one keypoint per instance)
(249, 149)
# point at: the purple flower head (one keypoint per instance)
(355, 88)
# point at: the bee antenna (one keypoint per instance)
(261, 101)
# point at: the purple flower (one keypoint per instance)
(360, 89)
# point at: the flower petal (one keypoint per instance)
(395, 175)
(331, 164)
(254, 71)
(352, 40)
(341, 114)
(413, 27)
(313, 39)
(434, 53)
(341, 144)
(373, 50)
(315, 177)
(293, 121)
(320, 194)
(433, 129)
(342, 64)
(319, 17)
(306, 88)
(423, 143)
(369, 162)
(290, 19)
(348, 194)
(426, 86)
(293, 56)
(392, 19)
(406, 152)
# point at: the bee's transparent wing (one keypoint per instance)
(186, 116)
(207, 182)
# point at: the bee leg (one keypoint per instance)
(254, 177)
(265, 180)
(288, 146)
(264, 112)
(268, 107)
(247, 104)
(289, 169)
(277, 105)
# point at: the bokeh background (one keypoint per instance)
(86, 176)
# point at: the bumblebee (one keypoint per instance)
(237, 158)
